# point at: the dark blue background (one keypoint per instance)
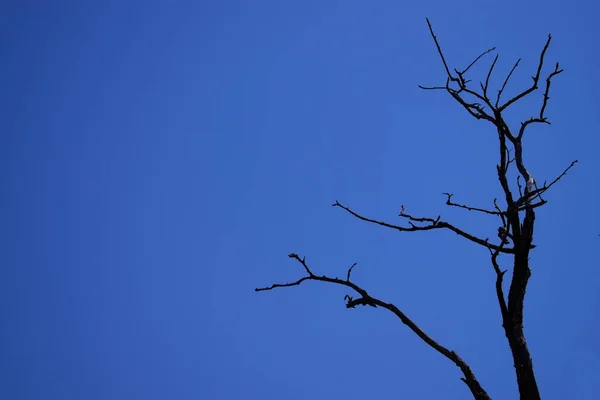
(160, 160)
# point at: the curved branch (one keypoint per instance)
(475, 109)
(464, 71)
(365, 299)
(504, 234)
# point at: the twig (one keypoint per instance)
(477, 59)
(546, 96)
(482, 210)
(439, 48)
(350, 271)
(487, 78)
(506, 82)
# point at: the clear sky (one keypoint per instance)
(160, 160)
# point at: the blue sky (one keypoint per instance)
(161, 159)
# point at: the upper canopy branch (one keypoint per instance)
(535, 78)
(477, 108)
(541, 119)
(505, 81)
(366, 299)
(494, 115)
(429, 224)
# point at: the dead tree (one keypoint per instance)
(516, 216)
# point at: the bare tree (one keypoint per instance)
(516, 216)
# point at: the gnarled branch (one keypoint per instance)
(365, 299)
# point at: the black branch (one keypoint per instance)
(365, 299)
(469, 208)
(425, 224)
(536, 79)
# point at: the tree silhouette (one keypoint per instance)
(516, 216)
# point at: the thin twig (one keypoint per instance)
(487, 78)
(477, 59)
(482, 210)
(349, 272)
(506, 81)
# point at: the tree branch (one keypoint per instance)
(484, 88)
(506, 81)
(475, 109)
(535, 78)
(366, 299)
(482, 210)
(503, 234)
(350, 271)
(431, 224)
(464, 71)
(521, 204)
(541, 119)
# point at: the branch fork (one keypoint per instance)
(517, 218)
